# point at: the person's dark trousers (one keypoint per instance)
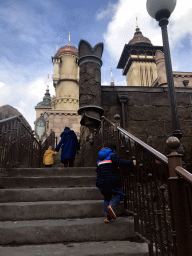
(68, 162)
(48, 166)
(112, 196)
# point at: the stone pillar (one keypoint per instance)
(90, 84)
(123, 100)
(161, 71)
(89, 97)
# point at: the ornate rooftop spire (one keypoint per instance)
(136, 23)
(48, 82)
(112, 82)
(69, 43)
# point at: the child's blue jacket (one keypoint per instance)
(107, 168)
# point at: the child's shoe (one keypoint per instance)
(108, 219)
(111, 212)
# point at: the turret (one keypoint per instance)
(138, 61)
(66, 78)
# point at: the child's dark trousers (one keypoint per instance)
(112, 196)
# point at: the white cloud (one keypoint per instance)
(121, 83)
(122, 27)
(5, 92)
(1, 85)
(37, 88)
(33, 93)
(108, 12)
(28, 39)
(105, 83)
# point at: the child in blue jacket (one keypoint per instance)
(108, 181)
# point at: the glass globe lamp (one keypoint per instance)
(158, 9)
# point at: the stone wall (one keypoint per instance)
(147, 113)
(86, 149)
(58, 119)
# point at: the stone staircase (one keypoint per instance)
(60, 208)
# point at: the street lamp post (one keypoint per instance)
(161, 11)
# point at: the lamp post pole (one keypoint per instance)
(161, 11)
(170, 82)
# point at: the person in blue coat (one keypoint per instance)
(70, 146)
(108, 181)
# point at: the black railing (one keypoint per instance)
(19, 147)
(150, 191)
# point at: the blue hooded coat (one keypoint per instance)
(107, 168)
(69, 145)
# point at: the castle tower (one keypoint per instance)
(66, 78)
(138, 61)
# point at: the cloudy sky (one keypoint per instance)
(33, 30)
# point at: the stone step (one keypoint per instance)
(103, 248)
(56, 231)
(49, 194)
(53, 210)
(53, 171)
(47, 182)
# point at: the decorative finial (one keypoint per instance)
(69, 43)
(112, 82)
(136, 23)
(48, 82)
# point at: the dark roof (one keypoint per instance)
(139, 39)
(66, 49)
(46, 103)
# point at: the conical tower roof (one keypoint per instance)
(46, 103)
(67, 49)
(139, 39)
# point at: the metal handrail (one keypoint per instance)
(184, 173)
(157, 154)
(8, 119)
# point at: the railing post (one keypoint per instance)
(178, 200)
(31, 150)
(18, 138)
